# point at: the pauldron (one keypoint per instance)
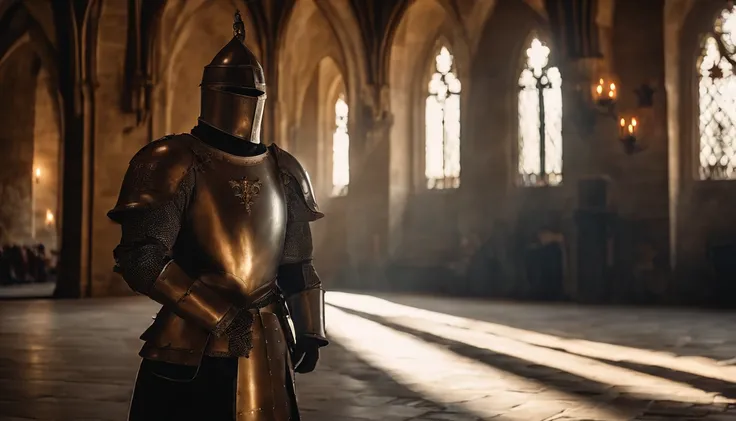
(154, 174)
(302, 206)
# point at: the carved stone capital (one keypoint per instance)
(376, 99)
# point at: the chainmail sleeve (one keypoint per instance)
(297, 276)
(148, 236)
(296, 272)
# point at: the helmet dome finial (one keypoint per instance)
(238, 27)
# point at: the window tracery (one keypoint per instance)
(442, 125)
(340, 149)
(540, 119)
(717, 100)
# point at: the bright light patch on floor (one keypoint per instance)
(443, 376)
(521, 344)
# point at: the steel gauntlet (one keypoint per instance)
(192, 300)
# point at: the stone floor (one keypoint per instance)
(405, 358)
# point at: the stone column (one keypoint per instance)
(368, 197)
(77, 91)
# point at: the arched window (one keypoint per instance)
(540, 119)
(442, 125)
(340, 149)
(717, 100)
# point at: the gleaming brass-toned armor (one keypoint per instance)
(240, 241)
(234, 89)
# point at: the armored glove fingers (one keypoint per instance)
(306, 354)
(239, 334)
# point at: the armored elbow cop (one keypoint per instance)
(307, 310)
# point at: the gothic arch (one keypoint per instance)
(308, 38)
(492, 144)
(33, 132)
(697, 207)
(37, 36)
(346, 29)
(331, 85)
(699, 21)
(423, 27)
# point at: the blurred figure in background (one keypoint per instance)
(25, 264)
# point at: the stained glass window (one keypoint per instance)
(442, 125)
(717, 100)
(540, 119)
(340, 150)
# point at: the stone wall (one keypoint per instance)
(46, 158)
(18, 85)
(621, 227)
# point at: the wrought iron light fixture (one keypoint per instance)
(603, 101)
(605, 95)
(628, 129)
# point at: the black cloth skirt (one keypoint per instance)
(170, 392)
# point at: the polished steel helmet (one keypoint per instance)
(234, 89)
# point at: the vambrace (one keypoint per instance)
(305, 300)
(192, 300)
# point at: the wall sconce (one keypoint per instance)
(49, 217)
(627, 134)
(605, 94)
(37, 174)
(603, 101)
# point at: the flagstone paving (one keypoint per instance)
(76, 361)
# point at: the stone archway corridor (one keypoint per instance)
(400, 357)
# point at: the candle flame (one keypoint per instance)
(623, 122)
(49, 216)
(631, 129)
(633, 122)
(599, 89)
(38, 172)
(613, 86)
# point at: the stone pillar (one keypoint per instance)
(77, 91)
(368, 198)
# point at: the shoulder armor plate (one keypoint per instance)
(154, 173)
(290, 167)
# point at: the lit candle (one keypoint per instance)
(49, 217)
(605, 91)
(622, 123)
(628, 129)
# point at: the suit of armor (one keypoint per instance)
(215, 227)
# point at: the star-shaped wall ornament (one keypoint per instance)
(715, 72)
(645, 96)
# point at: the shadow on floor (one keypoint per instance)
(367, 393)
(593, 391)
(646, 328)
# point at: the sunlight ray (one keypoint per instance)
(700, 366)
(443, 376)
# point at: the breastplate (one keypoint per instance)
(236, 220)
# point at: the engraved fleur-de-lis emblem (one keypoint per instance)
(246, 190)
